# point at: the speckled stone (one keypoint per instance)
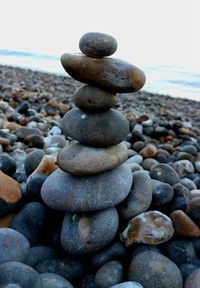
(184, 167)
(13, 246)
(78, 159)
(152, 227)
(154, 270)
(88, 233)
(96, 129)
(165, 173)
(139, 198)
(19, 273)
(193, 280)
(114, 75)
(97, 45)
(93, 99)
(109, 274)
(70, 269)
(62, 191)
(52, 280)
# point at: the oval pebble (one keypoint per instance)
(7, 164)
(32, 161)
(165, 173)
(88, 233)
(96, 129)
(104, 73)
(62, 191)
(128, 284)
(52, 280)
(184, 167)
(193, 280)
(162, 193)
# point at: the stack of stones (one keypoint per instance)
(92, 177)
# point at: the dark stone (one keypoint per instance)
(19, 273)
(34, 141)
(32, 161)
(181, 197)
(97, 129)
(33, 188)
(93, 99)
(7, 164)
(197, 182)
(111, 74)
(70, 269)
(188, 269)
(29, 221)
(20, 177)
(52, 280)
(22, 108)
(88, 233)
(188, 183)
(13, 246)
(97, 45)
(193, 210)
(62, 191)
(162, 193)
(38, 253)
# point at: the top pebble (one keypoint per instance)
(97, 45)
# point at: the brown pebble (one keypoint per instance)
(148, 151)
(183, 225)
(9, 189)
(51, 103)
(186, 131)
(6, 220)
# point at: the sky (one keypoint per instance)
(149, 32)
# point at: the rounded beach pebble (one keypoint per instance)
(13, 246)
(83, 234)
(152, 227)
(193, 280)
(19, 273)
(93, 99)
(97, 45)
(128, 284)
(96, 129)
(52, 280)
(109, 274)
(165, 173)
(114, 75)
(154, 270)
(83, 160)
(62, 191)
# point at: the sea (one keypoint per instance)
(175, 81)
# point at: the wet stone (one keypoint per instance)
(109, 274)
(88, 233)
(152, 227)
(97, 45)
(164, 173)
(93, 99)
(139, 198)
(83, 160)
(159, 271)
(29, 221)
(96, 129)
(13, 246)
(114, 75)
(66, 192)
(52, 280)
(20, 274)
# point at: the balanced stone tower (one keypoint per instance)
(92, 177)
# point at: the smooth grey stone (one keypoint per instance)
(184, 167)
(19, 273)
(193, 280)
(162, 193)
(7, 164)
(97, 45)
(149, 163)
(93, 99)
(139, 198)
(39, 253)
(62, 191)
(96, 129)
(30, 220)
(52, 280)
(109, 274)
(68, 268)
(114, 251)
(32, 161)
(154, 270)
(128, 284)
(88, 233)
(164, 173)
(188, 183)
(191, 149)
(13, 246)
(111, 74)
(10, 286)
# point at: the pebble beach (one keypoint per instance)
(141, 230)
